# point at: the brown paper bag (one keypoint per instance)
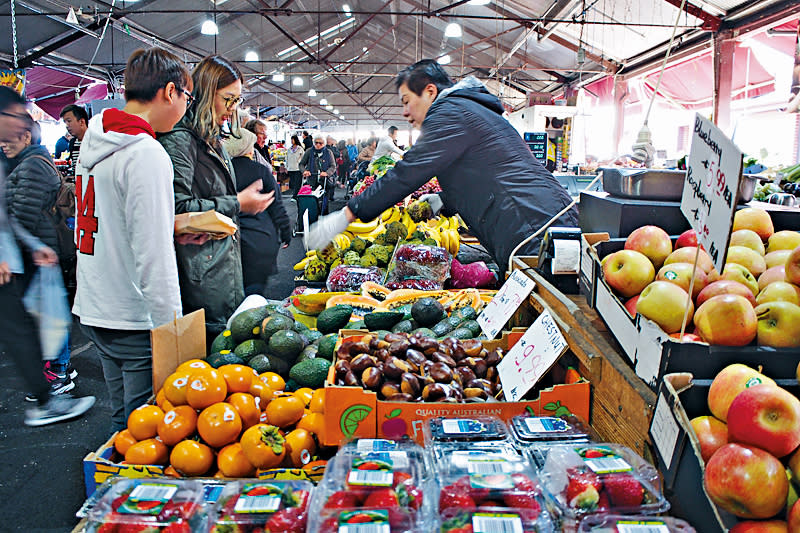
(176, 342)
(217, 225)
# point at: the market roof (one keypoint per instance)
(349, 51)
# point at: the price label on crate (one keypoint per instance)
(711, 188)
(531, 357)
(507, 300)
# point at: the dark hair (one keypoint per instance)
(392, 129)
(36, 132)
(79, 112)
(420, 74)
(150, 70)
(305, 133)
(9, 97)
(295, 140)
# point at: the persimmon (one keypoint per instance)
(247, 406)
(219, 424)
(305, 394)
(206, 387)
(237, 377)
(191, 458)
(123, 440)
(300, 446)
(285, 411)
(313, 422)
(232, 462)
(174, 387)
(317, 403)
(177, 424)
(273, 381)
(147, 452)
(191, 365)
(143, 421)
(264, 446)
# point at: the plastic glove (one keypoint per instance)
(434, 200)
(325, 229)
(643, 149)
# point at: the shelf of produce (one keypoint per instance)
(622, 404)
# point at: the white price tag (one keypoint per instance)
(664, 430)
(711, 188)
(507, 300)
(531, 357)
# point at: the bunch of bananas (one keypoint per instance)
(304, 261)
(441, 232)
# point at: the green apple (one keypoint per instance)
(665, 304)
(751, 260)
(777, 258)
(778, 324)
(783, 240)
(736, 272)
(779, 291)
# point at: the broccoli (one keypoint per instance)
(351, 258)
(368, 260)
(316, 270)
(358, 245)
(420, 211)
(394, 232)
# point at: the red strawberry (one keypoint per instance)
(518, 500)
(382, 499)
(400, 478)
(409, 496)
(177, 527)
(593, 454)
(330, 525)
(455, 496)
(583, 489)
(602, 503)
(342, 500)
(478, 495)
(524, 483)
(291, 520)
(623, 490)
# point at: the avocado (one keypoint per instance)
(466, 313)
(247, 324)
(425, 332)
(274, 309)
(312, 335)
(327, 345)
(286, 344)
(427, 312)
(299, 327)
(223, 357)
(357, 324)
(291, 386)
(274, 323)
(309, 352)
(223, 341)
(404, 326)
(382, 319)
(454, 321)
(250, 348)
(471, 325)
(443, 327)
(268, 363)
(461, 334)
(332, 319)
(310, 373)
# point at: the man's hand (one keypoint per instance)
(45, 257)
(434, 200)
(325, 229)
(197, 239)
(323, 174)
(306, 173)
(252, 201)
(5, 273)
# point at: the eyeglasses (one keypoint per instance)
(189, 97)
(232, 101)
(319, 142)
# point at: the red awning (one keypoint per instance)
(52, 89)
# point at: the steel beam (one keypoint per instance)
(710, 22)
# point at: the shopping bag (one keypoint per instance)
(46, 300)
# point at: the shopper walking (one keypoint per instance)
(259, 128)
(293, 156)
(308, 141)
(319, 168)
(211, 275)
(344, 166)
(19, 335)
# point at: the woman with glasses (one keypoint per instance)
(211, 275)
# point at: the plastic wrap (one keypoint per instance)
(344, 278)
(472, 275)
(251, 505)
(613, 523)
(418, 266)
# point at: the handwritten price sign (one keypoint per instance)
(531, 357)
(507, 300)
(711, 188)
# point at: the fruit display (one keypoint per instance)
(413, 367)
(616, 523)
(156, 505)
(418, 266)
(754, 300)
(249, 506)
(350, 278)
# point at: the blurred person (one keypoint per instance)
(308, 141)
(261, 146)
(388, 146)
(210, 275)
(263, 234)
(62, 145)
(352, 152)
(293, 156)
(369, 150)
(319, 167)
(19, 335)
(344, 166)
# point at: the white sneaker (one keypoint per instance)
(58, 408)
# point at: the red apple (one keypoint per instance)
(784, 240)
(630, 305)
(794, 518)
(766, 416)
(687, 238)
(748, 258)
(749, 239)
(776, 258)
(760, 526)
(652, 241)
(681, 275)
(686, 255)
(728, 383)
(727, 319)
(756, 219)
(628, 272)
(776, 273)
(778, 324)
(779, 291)
(665, 304)
(711, 433)
(793, 267)
(725, 286)
(746, 481)
(687, 337)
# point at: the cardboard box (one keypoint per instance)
(353, 412)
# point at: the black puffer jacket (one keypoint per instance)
(487, 173)
(31, 190)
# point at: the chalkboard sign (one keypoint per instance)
(537, 142)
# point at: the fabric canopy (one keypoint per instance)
(53, 89)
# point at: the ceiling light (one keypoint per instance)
(341, 117)
(323, 102)
(452, 30)
(312, 93)
(364, 49)
(335, 111)
(251, 56)
(278, 77)
(209, 28)
(329, 107)
(297, 81)
(444, 60)
(346, 9)
(478, 2)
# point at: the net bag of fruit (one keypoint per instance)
(418, 266)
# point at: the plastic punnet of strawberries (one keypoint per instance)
(263, 507)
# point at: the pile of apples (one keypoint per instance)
(756, 297)
(750, 450)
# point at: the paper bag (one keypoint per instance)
(217, 225)
(176, 342)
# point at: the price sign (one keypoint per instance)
(507, 300)
(531, 357)
(711, 188)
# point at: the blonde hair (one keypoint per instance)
(210, 75)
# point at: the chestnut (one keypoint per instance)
(361, 362)
(424, 344)
(398, 348)
(341, 368)
(401, 397)
(394, 367)
(395, 337)
(480, 384)
(415, 356)
(359, 347)
(409, 384)
(475, 399)
(493, 375)
(425, 367)
(390, 389)
(441, 372)
(435, 392)
(492, 358)
(439, 357)
(471, 347)
(479, 366)
(475, 392)
(458, 353)
(371, 378)
(351, 380)
(381, 354)
(465, 373)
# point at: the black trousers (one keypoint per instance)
(295, 181)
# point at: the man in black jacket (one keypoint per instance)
(487, 173)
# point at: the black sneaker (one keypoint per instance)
(58, 385)
(58, 408)
(71, 372)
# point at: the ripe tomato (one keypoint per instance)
(247, 407)
(191, 458)
(264, 446)
(147, 452)
(261, 390)
(177, 424)
(273, 381)
(174, 387)
(219, 424)
(300, 446)
(305, 394)
(285, 411)
(123, 441)
(232, 462)
(317, 404)
(313, 422)
(191, 365)
(143, 421)
(206, 387)
(237, 377)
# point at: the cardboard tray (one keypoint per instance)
(353, 412)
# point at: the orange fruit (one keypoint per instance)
(171, 472)
(219, 424)
(261, 390)
(247, 407)
(123, 440)
(304, 394)
(147, 452)
(143, 421)
(264, 446)
(273, 381)
(232, 462)
(285, 411)
(174, 387)
(300, 446)
(206, 387)
(313, 422)
(191, 458)
(237, 377)
(317, 403)
(177, 424)
(191, 365)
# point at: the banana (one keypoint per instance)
(363, 227)
(455, 241)
(349, 235)
(386, 215)
(445, 240)
(302, 264)
(396, 215)
(311, 253)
